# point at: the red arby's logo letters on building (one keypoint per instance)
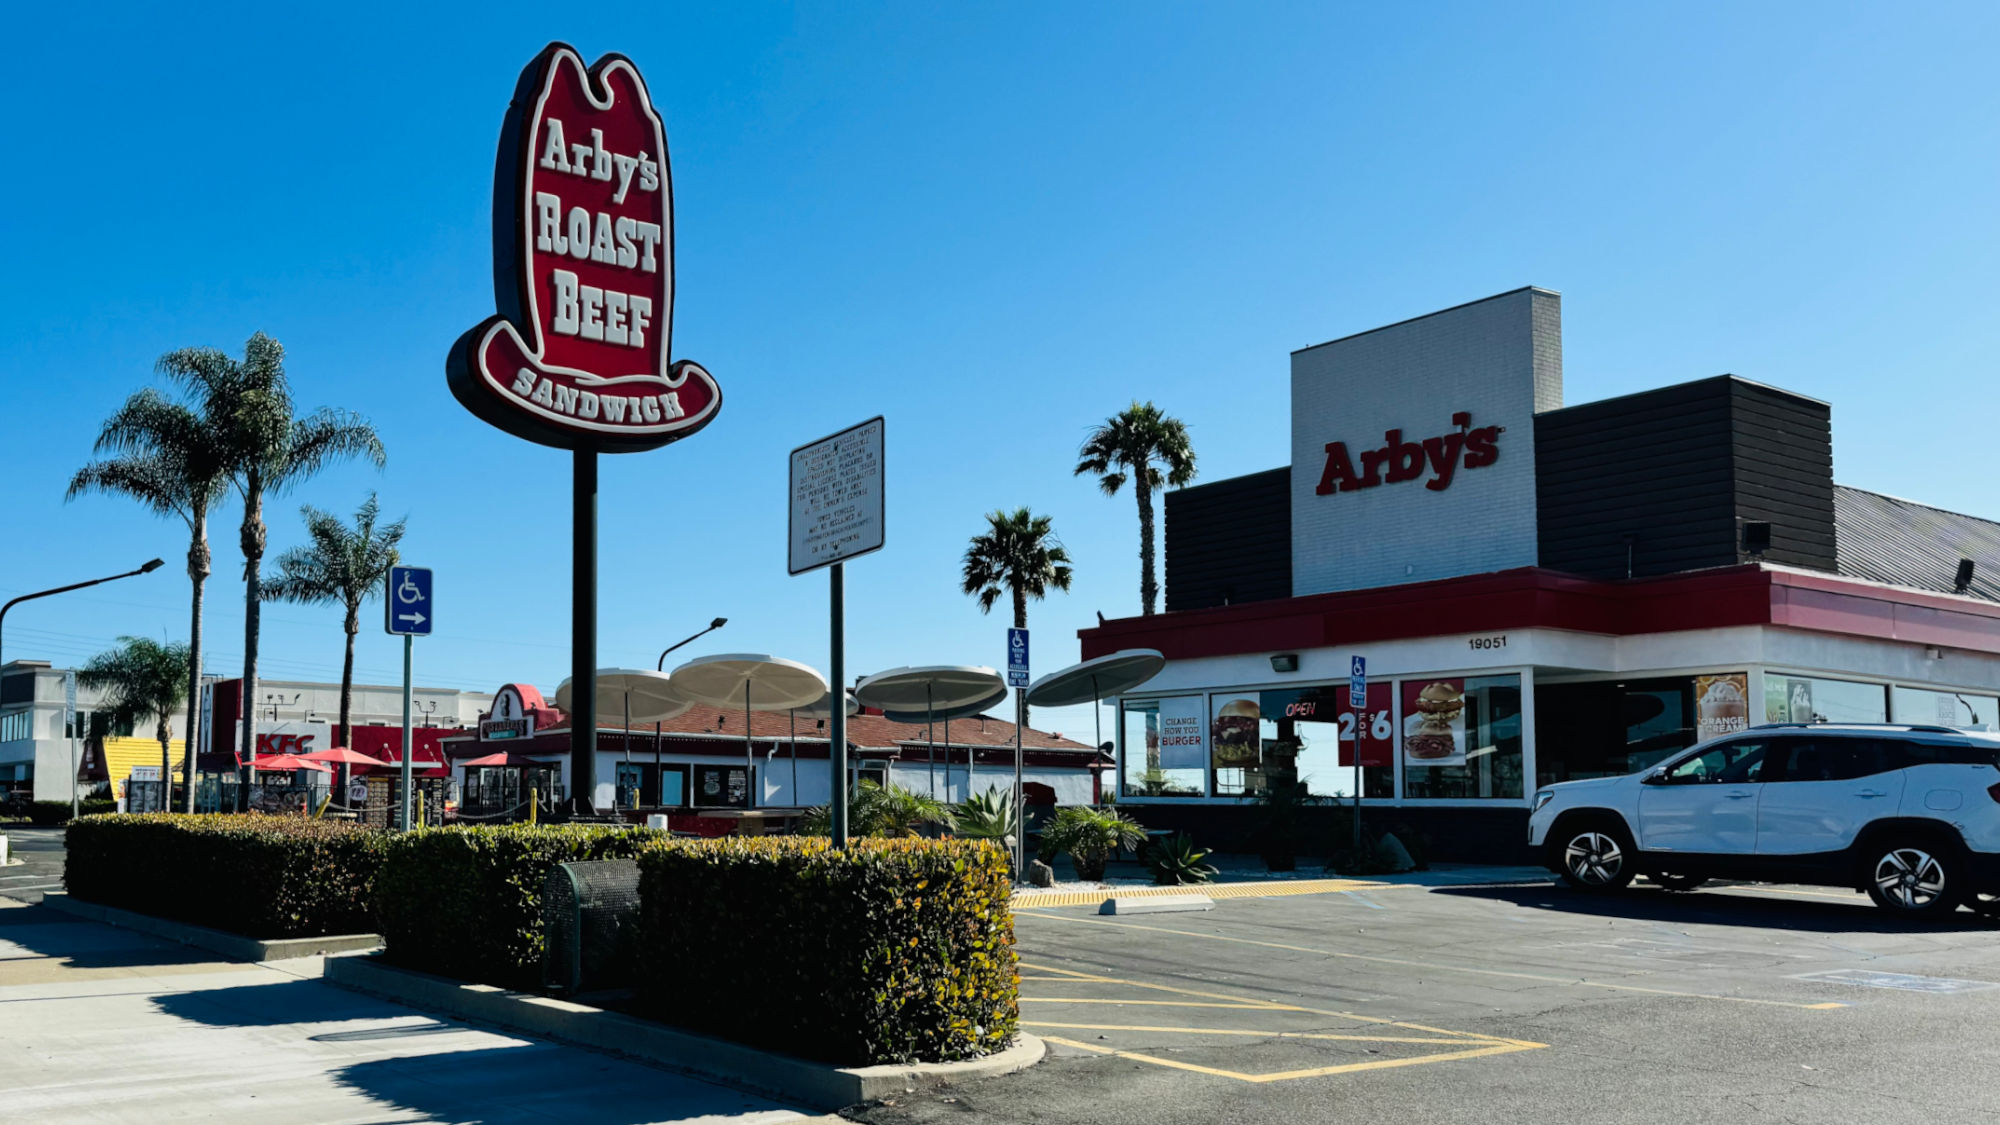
(1397, 459)
(583, 270)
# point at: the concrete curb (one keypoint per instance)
(802, 1081)
(230, 945)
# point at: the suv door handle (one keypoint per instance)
(1870, 793)
(1739, 795)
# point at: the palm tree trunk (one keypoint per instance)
(347, 672)
(1149, 590)
(164, 729)
(198, 570)
(253, 540)
(1020, 607)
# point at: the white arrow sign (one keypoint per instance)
(412, 618)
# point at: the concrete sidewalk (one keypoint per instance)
(103, 1024)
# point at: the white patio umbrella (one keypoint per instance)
(758, 682)
(645, 696)
(1093, 679)
(928, 689)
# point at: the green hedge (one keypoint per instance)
(889, 951)
(260, 876)
(467, 902)
(48, 813)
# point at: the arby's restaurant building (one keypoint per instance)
(1541, 590)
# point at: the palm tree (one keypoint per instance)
(341, 565)
(143, 677)
(1018, 555)
(268, 450)
(169, 458)
(1133, 445)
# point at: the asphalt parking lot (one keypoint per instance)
(1499, 1003)
(35, 862)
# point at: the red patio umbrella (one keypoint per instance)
(290, 762)
(345, 758)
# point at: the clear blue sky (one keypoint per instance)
(995, 224)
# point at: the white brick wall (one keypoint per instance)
(1499, 359)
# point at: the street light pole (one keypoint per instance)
(147, 568)
(659, 781)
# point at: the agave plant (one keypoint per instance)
(1176, 861)
(986, 816)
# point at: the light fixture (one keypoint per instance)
(1963, 581)
(1285, 662)
(1934, 652)
(1756, 538)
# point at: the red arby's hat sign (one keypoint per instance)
(583, 270)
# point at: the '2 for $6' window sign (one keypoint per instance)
(583, 270)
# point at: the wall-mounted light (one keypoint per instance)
(1934, 652)
(1285, 662)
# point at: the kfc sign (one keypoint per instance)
(583, 270)
(1397, 460)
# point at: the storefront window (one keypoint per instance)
(1301, 735)
(1163, 757)
(1945, 708)
(1808, 699)
(721, 787)
(1462, 737)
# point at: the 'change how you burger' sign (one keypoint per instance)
(583, 270)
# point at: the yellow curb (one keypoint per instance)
(1034, 900)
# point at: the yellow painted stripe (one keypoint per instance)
(1434, 966)
(1036, 900)
(1261, 1034)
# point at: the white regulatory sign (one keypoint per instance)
(836, 497)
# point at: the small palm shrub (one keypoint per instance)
(1089, 836)
(883, 811)
(1176, 862)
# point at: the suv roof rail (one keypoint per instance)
(1921, 728)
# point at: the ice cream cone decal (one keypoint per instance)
(583, 268)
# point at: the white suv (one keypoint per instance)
(1910, 814)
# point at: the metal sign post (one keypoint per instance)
(1357, 701)
(1017, 678)
(69, 725)
(409, 613)
(837, 513)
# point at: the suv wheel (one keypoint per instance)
(1915, 878)
(1595, 857)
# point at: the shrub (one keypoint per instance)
(260, 876)
(1176, 861)
(467, 902)
(887, 951)
(47, 813)
(985, 816)
(1089, 836)
(879, 810)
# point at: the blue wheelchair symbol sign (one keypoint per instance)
(1357, 683)
(407, 602)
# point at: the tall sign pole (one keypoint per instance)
(408, 612)
(837, 513)
(1017, 678)
(577, 355)
(1357, 703)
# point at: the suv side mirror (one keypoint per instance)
(1655, 776)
